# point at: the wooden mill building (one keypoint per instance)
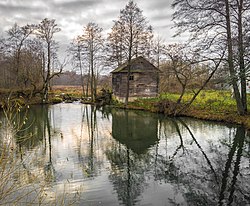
(143, 80)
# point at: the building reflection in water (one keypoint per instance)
(141, 157)
(137, 130)
(129, 155)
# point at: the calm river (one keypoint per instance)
(75, 154)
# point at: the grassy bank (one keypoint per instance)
(56, 95)
(209, 105)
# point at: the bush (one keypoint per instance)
(56, 100)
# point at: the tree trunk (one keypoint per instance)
(80, 65)
(87, 86)
(198, 92)
(129, 61)
(241, 58)
(95, 84)
(47, 79)
(127, 89)
(92, 79)
(183, 90)
(233, 76)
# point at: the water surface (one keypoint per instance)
(85, 156)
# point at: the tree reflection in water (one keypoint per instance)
(129, 156)
(37, 131)
(191, 166)
(88, 159)
(27, 172)
(142, 158)
(201, 183)
(236, 149)
(49, 170)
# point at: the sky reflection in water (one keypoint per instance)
(112, 157)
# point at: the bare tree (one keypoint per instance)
(21, 59)
(31, 75)
(93, 45)
(192, 72)
(158, 50)
(130, 34)
(76, 49)
(223, 26)
(46, 31)
(14, 45)
(115, 45)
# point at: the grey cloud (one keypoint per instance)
(72, 15)
(23, 6)
(22, 13)
(76, 5)
(156, 5)
(12, 9)
(160, 17)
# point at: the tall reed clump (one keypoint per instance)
(22, 183)
(13, 116)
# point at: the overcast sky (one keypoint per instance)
(72, 15)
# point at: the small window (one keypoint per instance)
(131, 77)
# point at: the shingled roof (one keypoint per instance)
(139, 64)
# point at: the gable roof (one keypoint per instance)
(139, 64)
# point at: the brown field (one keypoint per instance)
(75, 91)
(66, 87)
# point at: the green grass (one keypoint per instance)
(216, 101)
(208, 99)
(209, 105)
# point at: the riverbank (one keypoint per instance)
(222, 117)
(209, 105)
(194, 112)
(231, 117)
